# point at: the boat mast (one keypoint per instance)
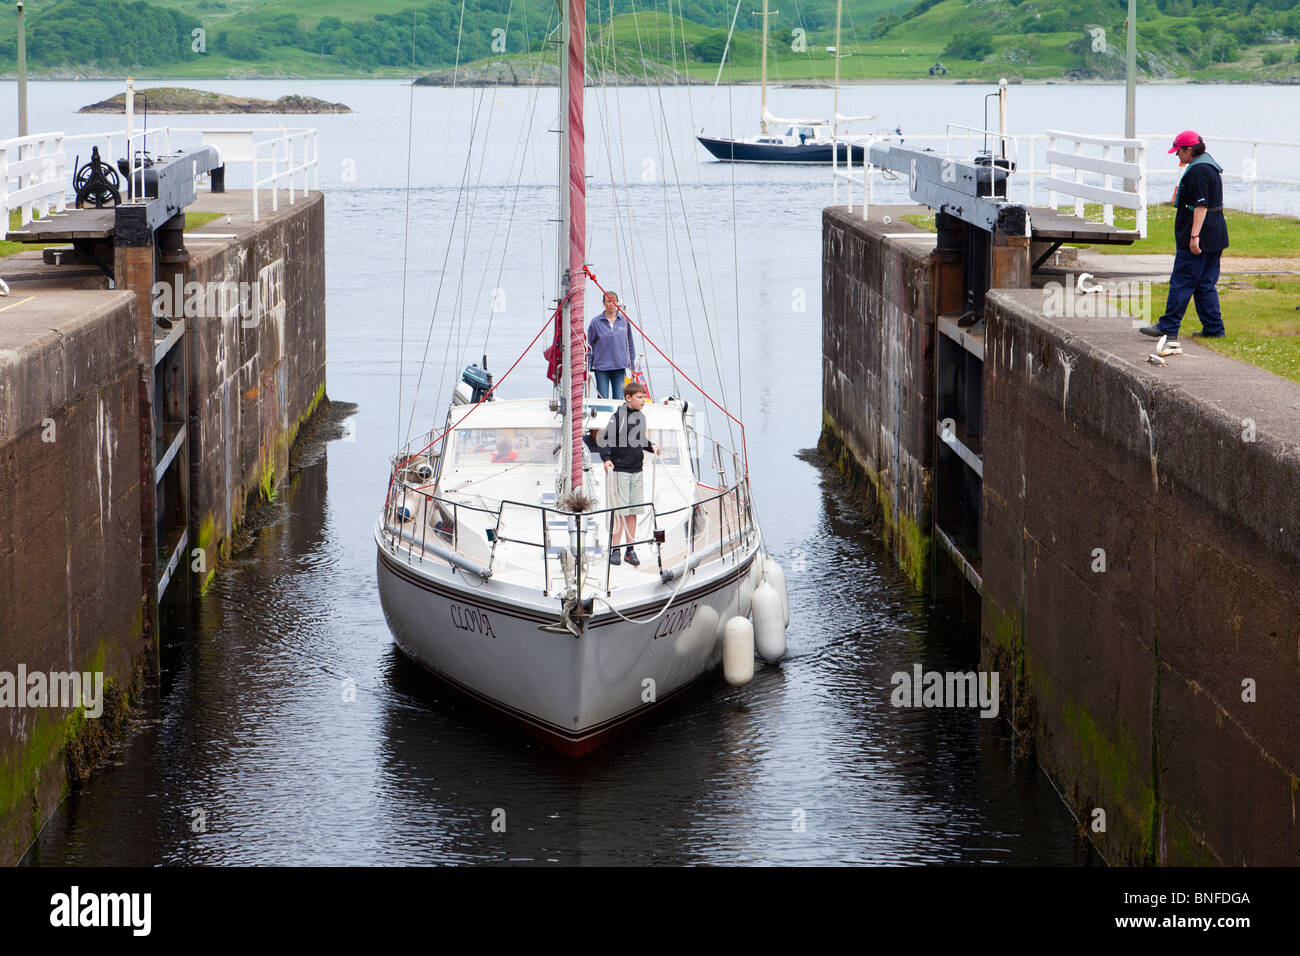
(573, 234)
(835, 115)
(762, 122)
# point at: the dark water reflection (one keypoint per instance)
(252, 742)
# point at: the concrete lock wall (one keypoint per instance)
(1141, 558)
(72, 594)
(879, 301)
(259, 365)
(1140, 542)
(70, 584)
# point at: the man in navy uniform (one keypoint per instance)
(1201, 235)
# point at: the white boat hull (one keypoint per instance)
(484, 638)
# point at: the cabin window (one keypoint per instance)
(500, 446)
(669, 442)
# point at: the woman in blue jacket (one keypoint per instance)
(610, 349)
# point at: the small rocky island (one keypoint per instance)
(176, 99)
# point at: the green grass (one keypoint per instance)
(1259, 314)
(197, 220)
(1252, 235)
(9, 248)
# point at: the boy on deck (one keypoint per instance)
(623, 445)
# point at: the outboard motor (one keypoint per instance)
(479, 380)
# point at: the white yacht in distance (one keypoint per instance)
(494, 549)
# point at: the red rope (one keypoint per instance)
(554, 316)
(744, 447)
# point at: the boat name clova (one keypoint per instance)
(471, 619)
(675, 621)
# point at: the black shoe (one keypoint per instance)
(615, 557)
(632, 559)
(1155, 333)
(1208, 335)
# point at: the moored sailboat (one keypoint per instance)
(790, 140)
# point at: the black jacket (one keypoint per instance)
(1201, 185)
(625, 440)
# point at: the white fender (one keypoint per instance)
(738, 652)
(769, 632)
(773, 574)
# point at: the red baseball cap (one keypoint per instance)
(1186, 138)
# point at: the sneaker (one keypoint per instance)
(1155, 333)
(616, 557)
(632, 559)
(1208, 335)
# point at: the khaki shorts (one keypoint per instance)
(625, 489)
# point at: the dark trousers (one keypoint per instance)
(1194, 277)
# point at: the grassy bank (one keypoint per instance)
(1252, 235)
(1259, 314)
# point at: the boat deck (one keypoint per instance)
(515, 552)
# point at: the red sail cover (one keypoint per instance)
(554, 355)
(577, 234)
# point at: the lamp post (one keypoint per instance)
(22, 73)
(1130, 89)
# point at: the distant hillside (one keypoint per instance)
(977, 40)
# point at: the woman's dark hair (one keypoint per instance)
(1197, 149)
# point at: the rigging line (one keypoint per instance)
(442, 275)
(654, 127)
(627, 233)
(623, 230)
(722, 408)
(699, 181)
(495, 385)
(735, 272)
(725, 48)
(690, 244)
(458, 309)
(406, 227)
(514, 202)
(668, 226)
(458, 303)
(455, 78)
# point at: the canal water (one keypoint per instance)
(287, 728)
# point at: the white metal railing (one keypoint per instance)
(285, 164)
(1105, 166)
(42, 164)
(38, 166)
(1024, 187)
(1249, 167)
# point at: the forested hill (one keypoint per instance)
(1250, 40)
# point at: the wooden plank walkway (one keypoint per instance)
(66, 226)
(1049, 225)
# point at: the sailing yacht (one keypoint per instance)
(494, 544)
(801, 140)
